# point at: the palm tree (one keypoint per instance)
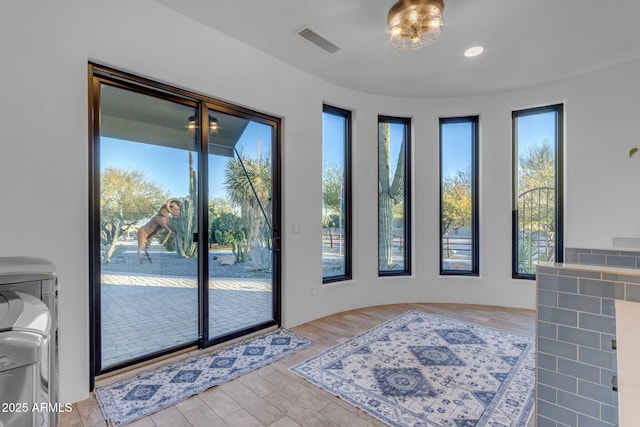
(248, 184)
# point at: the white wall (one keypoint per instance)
(45, 47)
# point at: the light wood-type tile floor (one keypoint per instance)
(273, 396)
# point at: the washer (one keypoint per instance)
(37, 277)
(25, 325)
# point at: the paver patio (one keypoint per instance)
(143, 313)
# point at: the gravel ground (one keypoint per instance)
(170, 264)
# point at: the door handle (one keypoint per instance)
(276, 244)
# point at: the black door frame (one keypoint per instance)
(98, 74)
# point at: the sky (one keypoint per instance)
(535, 129)
(456, 154)
(456, 147)
(456, 151)
(169, 167)
(332, 140)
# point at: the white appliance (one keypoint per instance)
(37, 277)
(25, 325)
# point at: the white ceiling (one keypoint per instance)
(526, 42)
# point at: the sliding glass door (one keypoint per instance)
(241, 231)
(184, 220)
(148, 191)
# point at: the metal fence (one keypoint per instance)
(456, 247)
(536, 228)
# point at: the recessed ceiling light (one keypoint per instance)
(473, 51)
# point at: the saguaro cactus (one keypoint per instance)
(187, 222)
(389, 193)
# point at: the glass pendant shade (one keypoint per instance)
(414, 23)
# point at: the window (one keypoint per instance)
(459, 240)
(394, 196)
(537, 189)
(336, 194)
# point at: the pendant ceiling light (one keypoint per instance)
(213, 124)
(415, 23)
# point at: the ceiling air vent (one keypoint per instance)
(318, 40)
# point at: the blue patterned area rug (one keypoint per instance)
(424, 370)
(148, 392)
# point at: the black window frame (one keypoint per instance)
(558, 109)
(98, 74)
(407, 241)
(347, 191)
(475, 216)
